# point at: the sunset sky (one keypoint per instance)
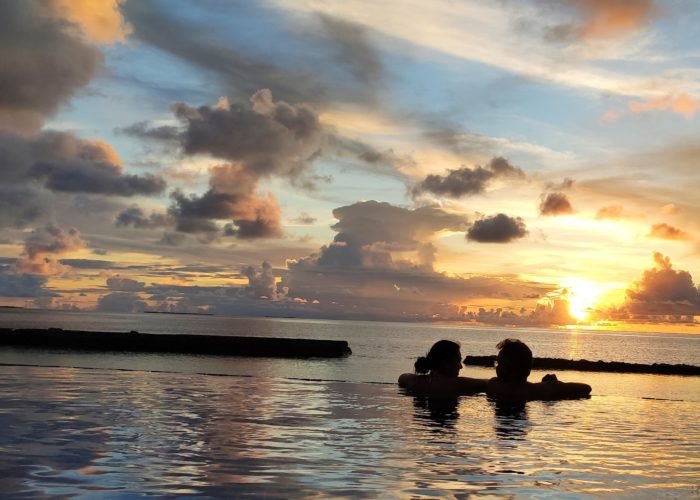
(527, 163)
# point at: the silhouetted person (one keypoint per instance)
(513, 366)
(437, 373)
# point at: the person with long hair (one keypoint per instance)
(437, 373)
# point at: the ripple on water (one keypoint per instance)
(70, 431)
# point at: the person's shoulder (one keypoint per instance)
(407, 380)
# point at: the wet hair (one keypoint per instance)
(441, 352)
(514, 361)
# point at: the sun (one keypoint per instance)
(582, 296)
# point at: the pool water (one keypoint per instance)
(101, 432)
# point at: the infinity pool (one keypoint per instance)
(66, 431)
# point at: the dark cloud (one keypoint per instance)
(241, 72)
(251, 216)
(44, 62)
(555, 203)
(467, 181)
(497, 229)
(67, 163)
(96, 178)
(172, 239)
(144, 130)
(88, 263)
(61, 162)
(304, 219)
(121, 302)
(134, 216)
(122, 284)
(13, 284)
(352, 67)
(268, 138)
(665, 231)
(663, 290)
(353, 49)
(20, 205)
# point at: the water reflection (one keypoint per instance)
(436, 412)
(130, 434)
(510, 419)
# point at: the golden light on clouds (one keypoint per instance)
(582, 296)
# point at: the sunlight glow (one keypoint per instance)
(583, 295)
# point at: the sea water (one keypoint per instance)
(125, 424)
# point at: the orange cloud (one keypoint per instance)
(606, 18)
(99, 20)
(683, 104)
(670, 209)
(666, 232)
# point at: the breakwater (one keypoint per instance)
(56, 338)
(585, 365)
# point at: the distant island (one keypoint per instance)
(183, 313)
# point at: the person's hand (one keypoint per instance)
(550, 377)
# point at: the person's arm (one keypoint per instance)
(471, 385)
(561, 390)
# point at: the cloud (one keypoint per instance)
(44, 62)
(241, 72)
(122, 284)
(664, 231)
(42, 245)
(352, 48)
(251, 216)
(601, 19)
(121, 302)
(261, 138)
(497, 229)
(670, 209)
(134, 216)
(304, 219)
(69, 164)
(60, 162)
(88, 263)
(262, 285)
(682, 104)
(663, 291)
(144, 130)
(372, 221)
(611, 212)
(463, 181)
(555, 203)
(13, 284)
(20, 205)
(268, 138)
(99, 20)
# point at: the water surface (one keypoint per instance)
(70, 431)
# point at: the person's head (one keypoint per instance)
(443, 358)
(514, 361)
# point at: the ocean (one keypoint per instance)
(136, 425)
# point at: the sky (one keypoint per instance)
(526, 163)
